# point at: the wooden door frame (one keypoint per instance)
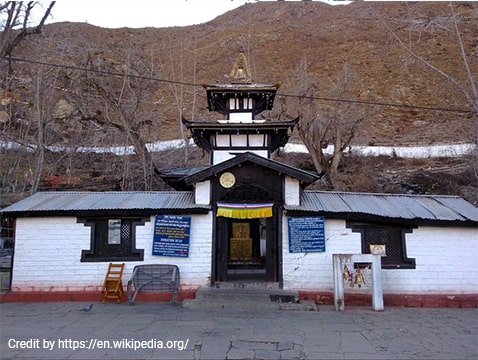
(220, 248)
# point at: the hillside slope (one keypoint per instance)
(170, 64)
(277, 36)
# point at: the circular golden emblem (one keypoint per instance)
(227, 180)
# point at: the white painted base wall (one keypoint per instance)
(48, 253)
(444, 256)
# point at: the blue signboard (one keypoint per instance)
(306, 234)
(171, 235)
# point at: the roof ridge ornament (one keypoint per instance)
(240, 70)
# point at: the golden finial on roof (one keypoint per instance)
(240, 70)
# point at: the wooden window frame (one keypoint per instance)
(404, 262)
(99, 239)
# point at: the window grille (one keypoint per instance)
(393, 237)
(104, 250)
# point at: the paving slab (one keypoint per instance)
(59, 330)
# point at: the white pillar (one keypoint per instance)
(339, 300)
(377, 289)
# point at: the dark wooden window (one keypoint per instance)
(393, 237)
(112, 240)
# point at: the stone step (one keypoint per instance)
(245, 290)
(247, 299)
(267, 295)
(247, 285)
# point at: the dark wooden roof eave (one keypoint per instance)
(234, 127)
(217, 95)
(305, 177)
(242, 87)
(201, 131)
(385, 220)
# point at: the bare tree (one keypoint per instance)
(172, 60)
(468, 88)
(124, 110)
(40, 122)
(32, 129)
(325, 125)
(450, 26)
(16, 24)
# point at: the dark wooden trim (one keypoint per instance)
(89, 254)
(214, 272)
(381, 219)
(406, 262)
(280, 250)
(305, 177)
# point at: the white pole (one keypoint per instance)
(339, 301)
(377, 289)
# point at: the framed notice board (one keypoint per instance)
(306, 234)
(171, 235)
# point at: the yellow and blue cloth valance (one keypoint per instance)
(244, 211)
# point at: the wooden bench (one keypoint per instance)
(153, 278)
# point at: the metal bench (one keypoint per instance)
(152, 278)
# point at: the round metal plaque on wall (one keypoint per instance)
(227, 180)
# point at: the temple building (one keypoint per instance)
(245, 218)
(244, 187)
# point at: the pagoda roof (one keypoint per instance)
(279, 130)
(232, 126)
(242, 87)
(218, 96)
(184, 179)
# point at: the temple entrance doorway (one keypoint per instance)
(247, 249)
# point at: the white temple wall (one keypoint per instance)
(48, 253)
(445, 258)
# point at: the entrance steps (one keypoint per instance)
(242, 296)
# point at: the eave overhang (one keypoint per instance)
(305, 177)
(399, 209)
(173, 177)
(380, 219)
(218, 96)
(278, 130)
(105, 204)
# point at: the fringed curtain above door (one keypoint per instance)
(244, 211)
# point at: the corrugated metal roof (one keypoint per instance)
(427, 207)
(409, 207)
(120, 200)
